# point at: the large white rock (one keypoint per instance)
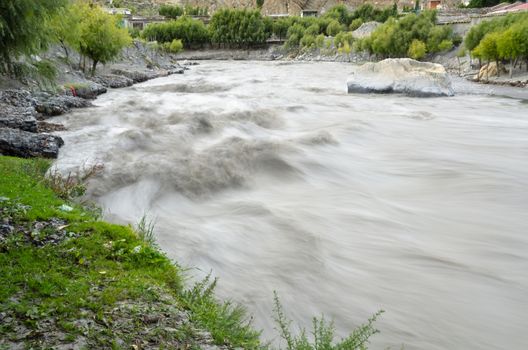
(401, 75)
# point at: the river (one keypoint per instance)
(269, 175)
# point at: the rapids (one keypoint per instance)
(269, 175)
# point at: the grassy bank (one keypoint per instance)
(68, 279)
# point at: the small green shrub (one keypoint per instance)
(312, 30)
(333, 28)
(145, 231)
(343, 39)
(445, 45)
(295, 34)
(173, 47)
(73, 184)
(355, 24)
(228, 323)
(319, 41)
(323, 333)
(417, 50)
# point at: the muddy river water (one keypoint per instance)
(269, 175)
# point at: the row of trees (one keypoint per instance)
(501, 39)
(411, 36)
(239, 28)
(228, 27)
(246, 28)
(192, 32)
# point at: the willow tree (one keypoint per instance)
(65, 25)
(23, 28)
(101, 39)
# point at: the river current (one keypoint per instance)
(272, 177)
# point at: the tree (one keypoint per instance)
(192, 32)
(487, 49)
(22, 27)
(520, 37)
(170, 11)
(100, 37)
(333, 28)
(65, 25)
(507, 48)
(239, 28)
(280, 27)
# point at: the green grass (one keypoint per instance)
(102, 265)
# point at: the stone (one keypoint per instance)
(365, 29)
(88, 90)
(17, 98)
(135, 75)
(57, 105)
(113, 81)
(401, 75)
(23, 118)
(488, 70)
(25, 144)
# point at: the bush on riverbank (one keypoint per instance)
(238, 28)
(395, 37)
(191, 32)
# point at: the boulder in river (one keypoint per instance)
(26, 144)
(401, 75)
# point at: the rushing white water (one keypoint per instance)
(273, 177)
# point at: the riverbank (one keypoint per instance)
(72, 281)
(27, 104)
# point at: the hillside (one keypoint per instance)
(270, 7)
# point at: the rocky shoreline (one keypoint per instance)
(24, 129)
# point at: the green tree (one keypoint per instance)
(333, 28)
(280, 27)
(295, 33)
(191, 31)
(507, 48)
(355, 24)
(65, 25)
(22, 27)
(487, 49)
(170, 11)
(239, 28)
(101, 39)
